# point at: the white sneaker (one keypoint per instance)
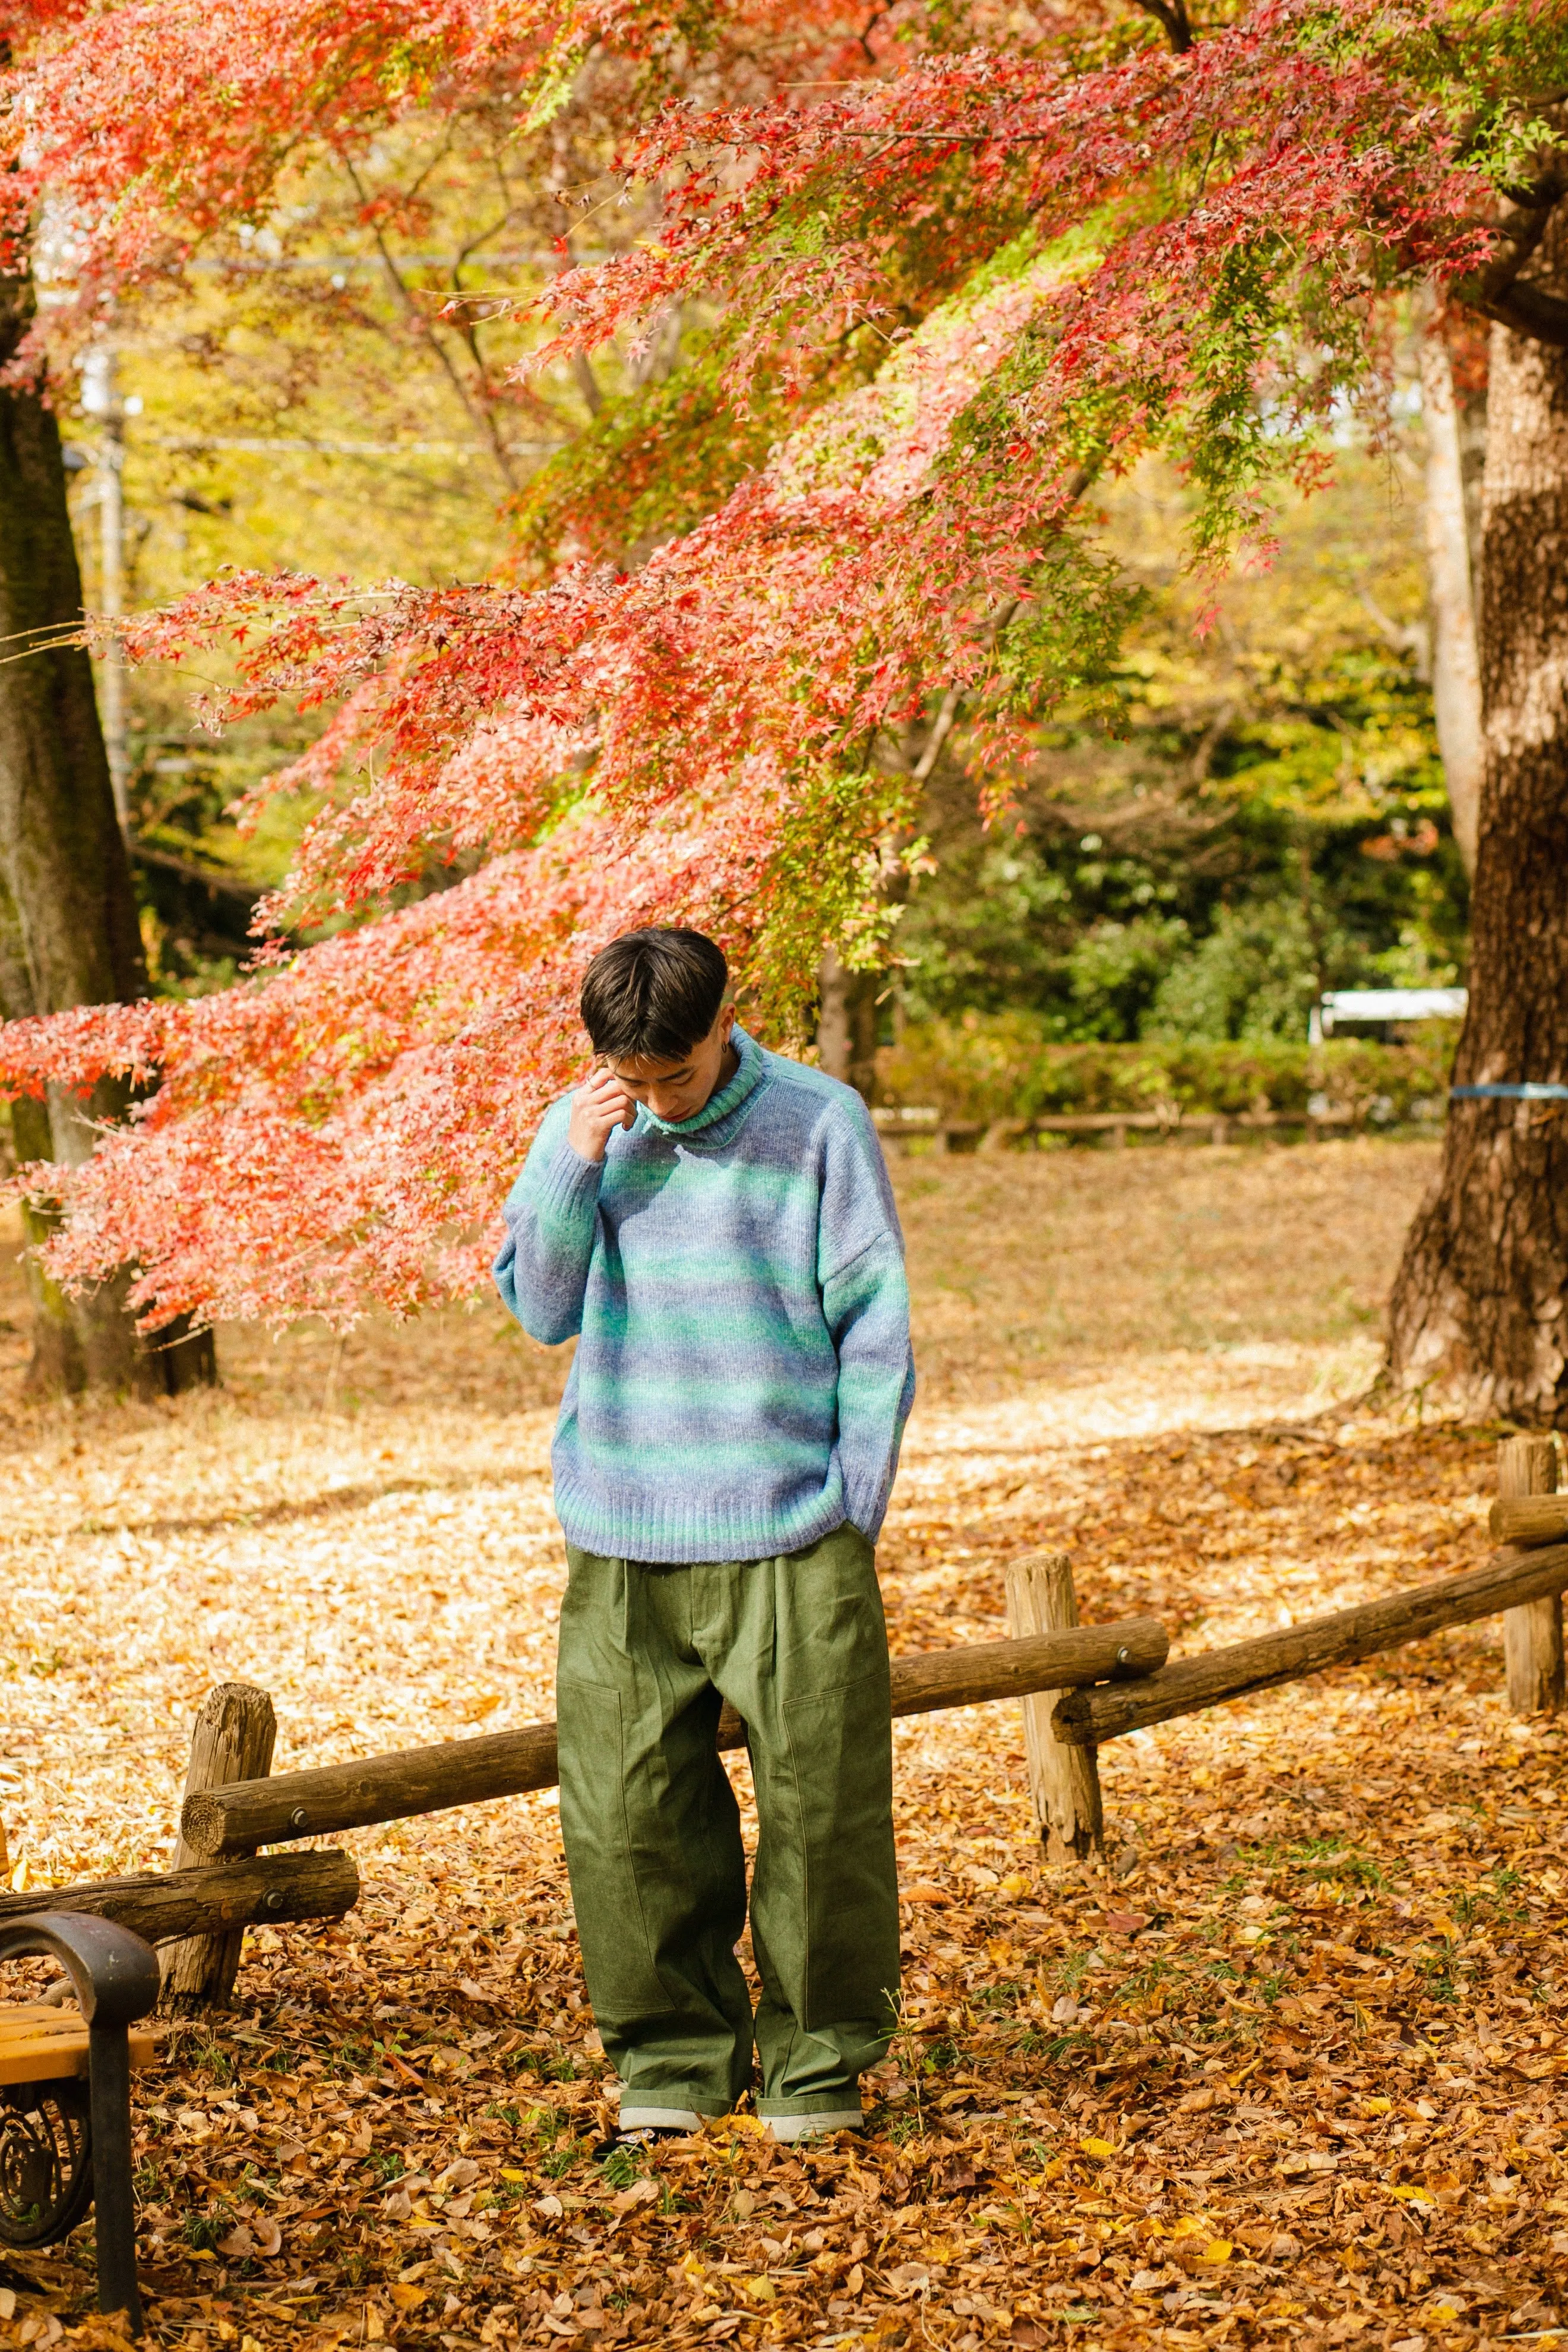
(635, 2118)
(790, 2128)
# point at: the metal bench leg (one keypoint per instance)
(108, 2086)
(116, 1979)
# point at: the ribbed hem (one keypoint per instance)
(666, 1539)
(867, 1510)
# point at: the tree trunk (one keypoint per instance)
(1482, 1300)
(1456, 671)
(69, 932)
(846, 1024)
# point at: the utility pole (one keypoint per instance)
(100, 398)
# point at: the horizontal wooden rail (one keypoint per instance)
(1531, 1520)
(1086, 1718)
(162, 1906)
(333, 1797)
(897, 1123)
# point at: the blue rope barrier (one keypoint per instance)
(1530, 1093)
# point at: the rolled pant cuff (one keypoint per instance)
(844, 2101)
(663, 2108)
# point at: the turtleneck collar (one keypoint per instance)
(723, 1099)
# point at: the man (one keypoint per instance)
(714, 1224)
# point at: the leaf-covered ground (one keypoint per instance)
(1289, 2067)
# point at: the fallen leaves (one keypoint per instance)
(259, 2236)
(1308, 2013)
(641, 2192)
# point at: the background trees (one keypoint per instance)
(893, 319)
(1263, 815)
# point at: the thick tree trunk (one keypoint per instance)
(1455, 669)
(1481, 1301)
(68, 931)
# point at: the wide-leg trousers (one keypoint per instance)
(798, 1646)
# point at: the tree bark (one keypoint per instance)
(1456, 667)
(68, 931)
(1480, 1304)
(846, 1024)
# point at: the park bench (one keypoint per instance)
(65, 2093)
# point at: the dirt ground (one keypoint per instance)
(1287, 2065)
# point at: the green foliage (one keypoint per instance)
(1232, 813)
(655, 461)
(623, 2165)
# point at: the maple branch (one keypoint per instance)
(941, 728)
(588, 383)
(1172, 15)
(209, 878)
(479, 413)
(1500, 290)
(468, 332)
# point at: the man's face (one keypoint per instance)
(678, 1090)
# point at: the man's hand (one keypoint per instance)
(598, 1107)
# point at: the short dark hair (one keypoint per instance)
(651, 995)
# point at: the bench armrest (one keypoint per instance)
(114, 1973)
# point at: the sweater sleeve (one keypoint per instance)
(541, 1272)
(866, 1300)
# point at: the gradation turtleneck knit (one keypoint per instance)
(735, 1282)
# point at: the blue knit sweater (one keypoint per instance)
(744, 1372)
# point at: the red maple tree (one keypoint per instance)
(957, 275)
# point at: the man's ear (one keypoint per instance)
(726, 1023)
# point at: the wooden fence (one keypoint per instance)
(220, 1884)
(904, 1126)
(1080, 1685)
(1525, 1582)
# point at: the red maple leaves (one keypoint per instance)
(1067, 253)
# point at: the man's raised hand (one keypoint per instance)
(599, 1106)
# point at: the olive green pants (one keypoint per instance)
(652, 1830)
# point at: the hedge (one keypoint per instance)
(997, 1066)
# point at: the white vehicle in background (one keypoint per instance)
(1340, 1008)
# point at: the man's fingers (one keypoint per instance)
(610, 1093)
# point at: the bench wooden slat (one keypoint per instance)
(39, 2043)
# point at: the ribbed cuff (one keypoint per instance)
(567, 1180)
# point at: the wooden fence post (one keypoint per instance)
(1533, 1633)
(236, 1727)
(1065, 1780)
